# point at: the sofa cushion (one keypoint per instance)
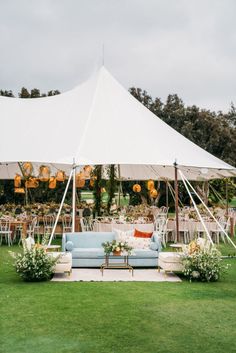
(89, 239)
(144, 253)
(87, 253)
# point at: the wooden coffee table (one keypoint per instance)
(122, 263)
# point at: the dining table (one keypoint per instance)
(125, 226)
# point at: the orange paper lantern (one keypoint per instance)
(44, 173)
(136, 188)
(31, 183)
(20, 190)
(153, 193)
(27, 168)
(52, 183)
(150, 185)
(80, 180)
(60, 176)
(87, 171)
(17, 181)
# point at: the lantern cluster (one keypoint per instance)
(153, 193)
(32, 182)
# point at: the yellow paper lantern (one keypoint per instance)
(17, 181)
(31, 183)
(27, 168)
(150, 185)
(153, 193)
(19, 190)
(44, 173)
(60, 176)
(52, 183)
(136, 188)
(103, 190)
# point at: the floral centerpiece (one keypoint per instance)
(116, 247)
(202, 261)
(35, 264)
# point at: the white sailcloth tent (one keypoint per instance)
(99, 122)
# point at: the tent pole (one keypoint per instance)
(195, 206)
(227, 197)
(167, 196)
(60, 208)
(74, 200)
(119, 188)
(176, 202)
(211, 214)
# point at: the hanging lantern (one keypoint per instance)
(60, 176)
(17, 181)
(136, 188)
(80, 180)
(150, 185)
(52, 183)
(19, 190)
(103, 190)
(87, 171)
(91, 183)
(44, 173)
(153, 193)
(27, 168)
(31, 183)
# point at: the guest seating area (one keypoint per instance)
(87, 251)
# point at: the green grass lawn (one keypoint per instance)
(119, 317)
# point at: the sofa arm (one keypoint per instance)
(157, 239)
(63, 245)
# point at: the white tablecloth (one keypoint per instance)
(192, 226)
(109, 227)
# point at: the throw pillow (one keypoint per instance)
(139, 243)
(139, 234)
(69, 246)
(123, 236)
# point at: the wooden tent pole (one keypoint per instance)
(176, 202)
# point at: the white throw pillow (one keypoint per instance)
(122, 236)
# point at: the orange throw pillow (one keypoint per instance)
(139, 234)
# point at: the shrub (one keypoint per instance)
(35, 265)
(204, 265)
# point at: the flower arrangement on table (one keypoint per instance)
(116, 247)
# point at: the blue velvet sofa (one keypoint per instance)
(87, 251)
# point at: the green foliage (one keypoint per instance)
(204, 265)
(111, 185)
(97, 174)
(35, 265)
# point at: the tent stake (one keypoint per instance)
(176, 202)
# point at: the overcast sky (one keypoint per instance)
(186, 47)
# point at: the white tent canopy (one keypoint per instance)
(99, 122)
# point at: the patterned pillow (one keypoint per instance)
(123, 236)
(139, 243)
